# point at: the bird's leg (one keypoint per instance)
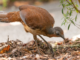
(35, 38)
(50, 47)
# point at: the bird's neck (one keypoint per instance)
(50, 30)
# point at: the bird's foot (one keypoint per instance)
(49, 45)
(38, 51)
(51, 49)
(37, 47)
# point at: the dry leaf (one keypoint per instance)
(75, 53)
(5, 49)
(59, 43)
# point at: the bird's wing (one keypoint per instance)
(36, 18)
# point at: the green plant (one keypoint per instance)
(68, 8)
(5, 3)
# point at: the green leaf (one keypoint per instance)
(72, 22)
(63, 5)
(62, 11)
(76, 18)
(68, 4)
(69, 0)
(77, 11)
(70, 12)
(67, 17)
(65, 20)
(69, 26)
(64, 15)
(63, 23)
(77, 5)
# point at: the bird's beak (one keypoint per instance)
(63, 37)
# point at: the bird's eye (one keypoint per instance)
(57, 33)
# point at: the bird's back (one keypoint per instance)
(36, 17)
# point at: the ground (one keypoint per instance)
(17, 50)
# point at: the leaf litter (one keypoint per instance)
(17, 50)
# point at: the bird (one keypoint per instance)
(35, 20)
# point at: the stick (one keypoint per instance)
(65, 46)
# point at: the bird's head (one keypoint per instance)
(56, 32)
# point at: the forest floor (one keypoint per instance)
(17, 50)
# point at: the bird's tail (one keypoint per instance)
(9, 17)
(3, 17)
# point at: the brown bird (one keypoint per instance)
(35, 20)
